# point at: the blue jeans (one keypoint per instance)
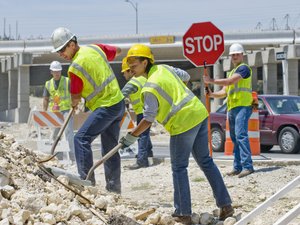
(144, 144)
(238, 125)
(104, 121)
(194, 141)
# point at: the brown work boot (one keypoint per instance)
(187, 220)
(233, 173)
(225, 212)
(245, 173)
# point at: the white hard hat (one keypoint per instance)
(60, 37)
(236, 49)
(55, 66)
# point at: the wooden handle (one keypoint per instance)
(62, 129)
(104, 158)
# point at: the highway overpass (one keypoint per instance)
(25, 63)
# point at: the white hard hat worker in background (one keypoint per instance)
(238, 90)
(169, 101)
(55, 70)
(57, 98)
(55, 66)
(236, 49)
(92, 78)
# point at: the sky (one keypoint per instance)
(89, 18)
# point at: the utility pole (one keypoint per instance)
(287, 16)
(4, 28)
(258, 26)
(17, 30)
(9, 32)
(135, 7)
(274, 25)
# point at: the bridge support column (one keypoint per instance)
(292, 70)
(3, 93)
(197, 84)
(12, 90)
(22, 112)
(269, 72)
(270, 78)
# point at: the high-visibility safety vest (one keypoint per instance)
(135, 98)
(179, 109)
(239, 94)
(60, 99)
(100, 86)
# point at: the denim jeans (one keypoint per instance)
(69, 133)
(194, 141)
(238, 125)
(144, 144)
(104, 121)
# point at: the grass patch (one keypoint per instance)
(142, 186)
(198, 179)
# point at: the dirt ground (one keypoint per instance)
(152, 187)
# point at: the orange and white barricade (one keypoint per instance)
(127, 123)
(44, 122)
(253, 132)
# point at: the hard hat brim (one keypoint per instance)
(60, 47)
(237, 52)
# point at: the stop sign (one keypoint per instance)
(203, 42)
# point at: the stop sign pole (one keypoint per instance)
(203, 44)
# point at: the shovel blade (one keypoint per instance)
(73, 178)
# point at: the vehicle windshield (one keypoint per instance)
(284, 105)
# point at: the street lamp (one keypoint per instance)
(135, 6)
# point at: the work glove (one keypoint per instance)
(128, 140)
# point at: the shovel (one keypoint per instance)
(75, 179)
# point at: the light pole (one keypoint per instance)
(135, 6)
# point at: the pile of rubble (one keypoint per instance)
(28, 196)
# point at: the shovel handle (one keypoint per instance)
(62, 129)
(103, 159)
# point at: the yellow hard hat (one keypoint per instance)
(125, 66)
(140, 50)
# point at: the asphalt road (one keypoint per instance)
(163, 151)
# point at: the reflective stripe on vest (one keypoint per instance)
(140, 86)
(175, 112)
(65, 99)
(236, 88)
(174, 108)
(97, 89)
(135, 97)
(240, 93)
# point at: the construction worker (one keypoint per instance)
(57, 98)
(167, 99)
(237, 88)
(93, 79)
(132, 89)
